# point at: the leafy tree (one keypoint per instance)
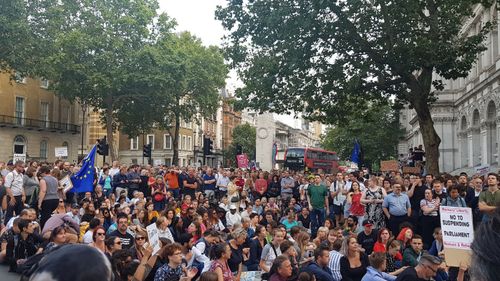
(96, 59)
(186, 78)
(377, 129)
(244, 135)
(325, 57)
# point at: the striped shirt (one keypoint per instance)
(334, 265)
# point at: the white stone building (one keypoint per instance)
(466, 114)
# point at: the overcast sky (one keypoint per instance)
(196, 16)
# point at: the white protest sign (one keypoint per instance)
(158, 162)
(66, 184)
(19, 157)
(154, 240)
(61, 151)
(458, 234)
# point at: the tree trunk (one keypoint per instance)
(175, 157)
(429, 135)
(109, 127)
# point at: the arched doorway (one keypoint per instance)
(476, 139)
(19, 145)
(491, 115)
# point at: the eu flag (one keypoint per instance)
(356, 152)
(84, 179)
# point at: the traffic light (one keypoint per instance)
(239, 149)
(146, 150)
(208, 146)
(102, 147)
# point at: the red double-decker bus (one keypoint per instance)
(311, 159)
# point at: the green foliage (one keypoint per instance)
(244, 135)
(325, 58)
(377, 129)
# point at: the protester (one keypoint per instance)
(353, 263)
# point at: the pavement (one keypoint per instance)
(5, 275)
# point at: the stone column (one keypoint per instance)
(471, 148)
(484, 144)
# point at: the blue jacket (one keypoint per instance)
(374, 275)
(321, 273)
(433, 250)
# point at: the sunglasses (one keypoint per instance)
(101, 233)
(140, 238)
(118, 243)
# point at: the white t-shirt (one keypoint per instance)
(268, 254)
(87, 237)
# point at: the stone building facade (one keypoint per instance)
(34, 121)
(466, 114)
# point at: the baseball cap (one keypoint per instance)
(367, 223)
(232, 207)
(75, 206)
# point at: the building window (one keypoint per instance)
(167, 141)
(168, 162)
(44, 113)
(43, 149)
(189, 147)
(19, 145)
(19, 114)
(183, 142)
(44, 83)
(134, 143)
(150, 139)
(179, 141)
(134, 161)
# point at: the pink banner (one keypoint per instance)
(242, 160)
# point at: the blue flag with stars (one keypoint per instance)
(84, 179)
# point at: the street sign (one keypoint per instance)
(19, 157)
(61, 151)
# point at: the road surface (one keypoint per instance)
(5, 275)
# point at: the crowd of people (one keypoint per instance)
(232, 224)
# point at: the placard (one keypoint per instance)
(482, 170)
(411, 170)
(66, 184)
(458, 234)
(158, 162)
(61, 151)
(154, 240)
(389, 165)
(19, 157)
(242, 160)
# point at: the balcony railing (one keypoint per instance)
(40, 125)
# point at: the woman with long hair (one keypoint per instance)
(196, 228)
(177, 228)
(256, 246)
(372, 198)
(354, 199)
(214, 221)
(353, 263)
(99, 239)
(113, 244)
(219, 255)
(404, 237)
(393, 257)
(274, 187)
(159, 193)
(138, 250)
(303, 239)
(383, 237)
